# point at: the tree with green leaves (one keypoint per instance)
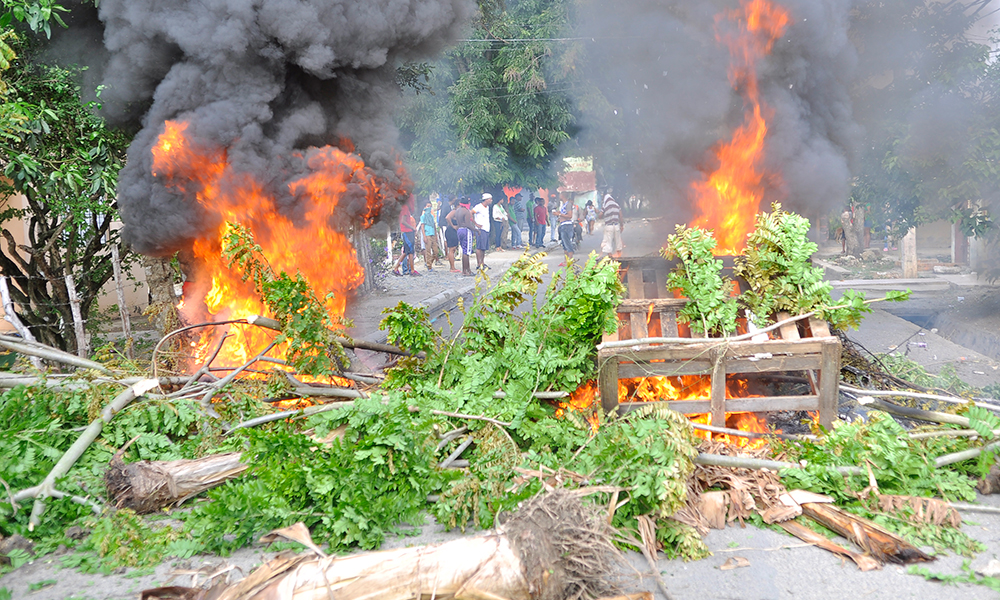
(499, 104)
(63, 161)
(929, 107)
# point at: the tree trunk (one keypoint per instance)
(160, 279)
(854, 231)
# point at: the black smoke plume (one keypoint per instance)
(660, 66)
(264, 79)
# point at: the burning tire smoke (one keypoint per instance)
(668, 67)
(265, 83)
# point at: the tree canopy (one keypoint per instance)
(64, 161)
(499, 103)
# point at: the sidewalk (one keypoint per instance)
(435, 290)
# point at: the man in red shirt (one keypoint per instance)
(407, 226)
(541, 217)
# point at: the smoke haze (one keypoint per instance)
(265, 79)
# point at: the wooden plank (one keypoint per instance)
(688, 407)
(607, 383)
(627, 370)
(829, 384)
(633, 282)
(649, 284)
(661, 281)
(774, 364)
(636, 290)
(642, 304)
(789, 331)
(718, 388)
(819, 327)
(698, 407)
(735, 350)
(668, 323)
(772, 403)
(802, 346)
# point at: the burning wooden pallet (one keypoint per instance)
(660, 347)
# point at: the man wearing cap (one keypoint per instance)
(481, 214)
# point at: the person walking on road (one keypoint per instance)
(614, 225)
(540, 218)
(450, 233)
(462, 221)
(517, 222)
(565, 215)
(428, 227)
(407, 227)
(481, 216)
(498, 213)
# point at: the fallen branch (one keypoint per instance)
(923, 435)
(10, 315)
(216, 387)
(49, 353)
(159, 344)
(46, 488)
(950, 459)
(299, 412)
(864, 562)
(274, 325)
(463, 416)
(457, 453)
(918, 395)
(742, 462)
(150, 486)
(882, 544)
(914, 413)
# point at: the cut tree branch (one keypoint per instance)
(46, 488)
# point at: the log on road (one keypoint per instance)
(149, 486)
(553, 548)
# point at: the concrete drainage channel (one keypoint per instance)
(954, 329)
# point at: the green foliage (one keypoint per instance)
(968, 576)
(306, 324)
(409, 328)
(899, 465)
(947, 380)
(711, 309)
(122, 538)
(776, 267)
(41, 424)
(350, 493)
(36, 14)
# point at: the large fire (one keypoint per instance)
(309, 245)
(727, 199)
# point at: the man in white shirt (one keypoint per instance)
(481, 214)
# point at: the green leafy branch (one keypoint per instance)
(711, 308)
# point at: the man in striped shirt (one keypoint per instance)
(613, 227)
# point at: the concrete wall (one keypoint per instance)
(934, 236)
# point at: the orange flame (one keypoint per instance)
(728, 199)
(310, 245)
(686, 387)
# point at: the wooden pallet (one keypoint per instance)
(804, 346)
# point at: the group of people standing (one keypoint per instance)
(477, 228)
